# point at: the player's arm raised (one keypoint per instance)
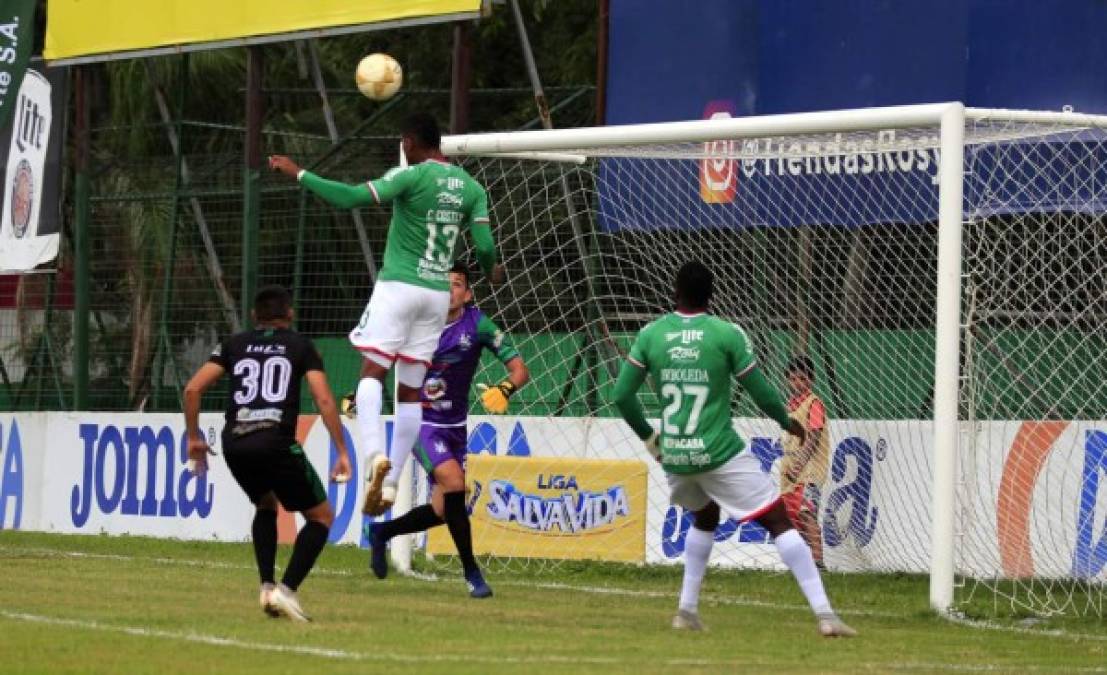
(198, 449)
(328, 411)
(338, 194)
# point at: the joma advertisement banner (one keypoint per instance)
(1031, 498)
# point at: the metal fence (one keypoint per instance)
(166, 247)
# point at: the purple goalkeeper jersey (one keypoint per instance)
(445, 392)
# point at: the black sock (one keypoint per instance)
(309, 543)
(457, 519)
(265, 543)
(416, 520)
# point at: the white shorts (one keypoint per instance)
(741, 489)
(402, 321)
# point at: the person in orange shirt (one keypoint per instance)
(805, 461)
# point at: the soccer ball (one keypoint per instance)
(379, 76)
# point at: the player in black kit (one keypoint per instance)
(266, 365)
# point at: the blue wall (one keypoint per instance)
(669, 58)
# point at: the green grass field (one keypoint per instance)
(140, 605)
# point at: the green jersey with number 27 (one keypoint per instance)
(693, 360)
(432, 202)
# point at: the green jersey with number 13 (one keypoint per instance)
(432, 202)
(693, 360)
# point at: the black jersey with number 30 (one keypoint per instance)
(266, 366)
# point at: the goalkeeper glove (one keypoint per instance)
(494, 398)
(653, 447)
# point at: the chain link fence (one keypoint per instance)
(166, 254)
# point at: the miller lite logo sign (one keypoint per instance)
(20, 246)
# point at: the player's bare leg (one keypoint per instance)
(797, 556)
(697, 551)
(369, 398)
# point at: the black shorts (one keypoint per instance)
(266, 462)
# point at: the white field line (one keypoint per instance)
(1040, 632)
(555, 586)
(325, 652)
(423, 658)
(598, 590)
(932, 667)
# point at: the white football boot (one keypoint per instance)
(266, 600)
(377, 467)
(831, 626)
(286, 603)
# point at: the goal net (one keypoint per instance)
(824, 240)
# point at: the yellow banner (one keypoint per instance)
(86, 27)
(553, 507)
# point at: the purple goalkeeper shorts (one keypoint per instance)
(438, 444)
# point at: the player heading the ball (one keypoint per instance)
(433, 202)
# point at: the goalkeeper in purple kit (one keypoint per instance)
(443, 437)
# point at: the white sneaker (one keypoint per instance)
(685, 620)
(831, 626)
(284, 600)
(377, 468)
(266, 600)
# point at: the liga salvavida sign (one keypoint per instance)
(1031, 499)
(554, 507)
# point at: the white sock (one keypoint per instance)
(697, 551)
(797, 556)
(405, 430)
(369, 396)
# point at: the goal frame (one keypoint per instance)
(950, 118)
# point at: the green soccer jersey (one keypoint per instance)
(693, 360)
(432, 202)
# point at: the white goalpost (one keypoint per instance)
(944, 268)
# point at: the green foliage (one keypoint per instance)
(562, 34)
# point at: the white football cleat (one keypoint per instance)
(685, 620)
(286, 603)
(831, 626)
(377, 467)
(266, 600)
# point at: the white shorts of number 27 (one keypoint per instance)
(741, 489)
(402, 321)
